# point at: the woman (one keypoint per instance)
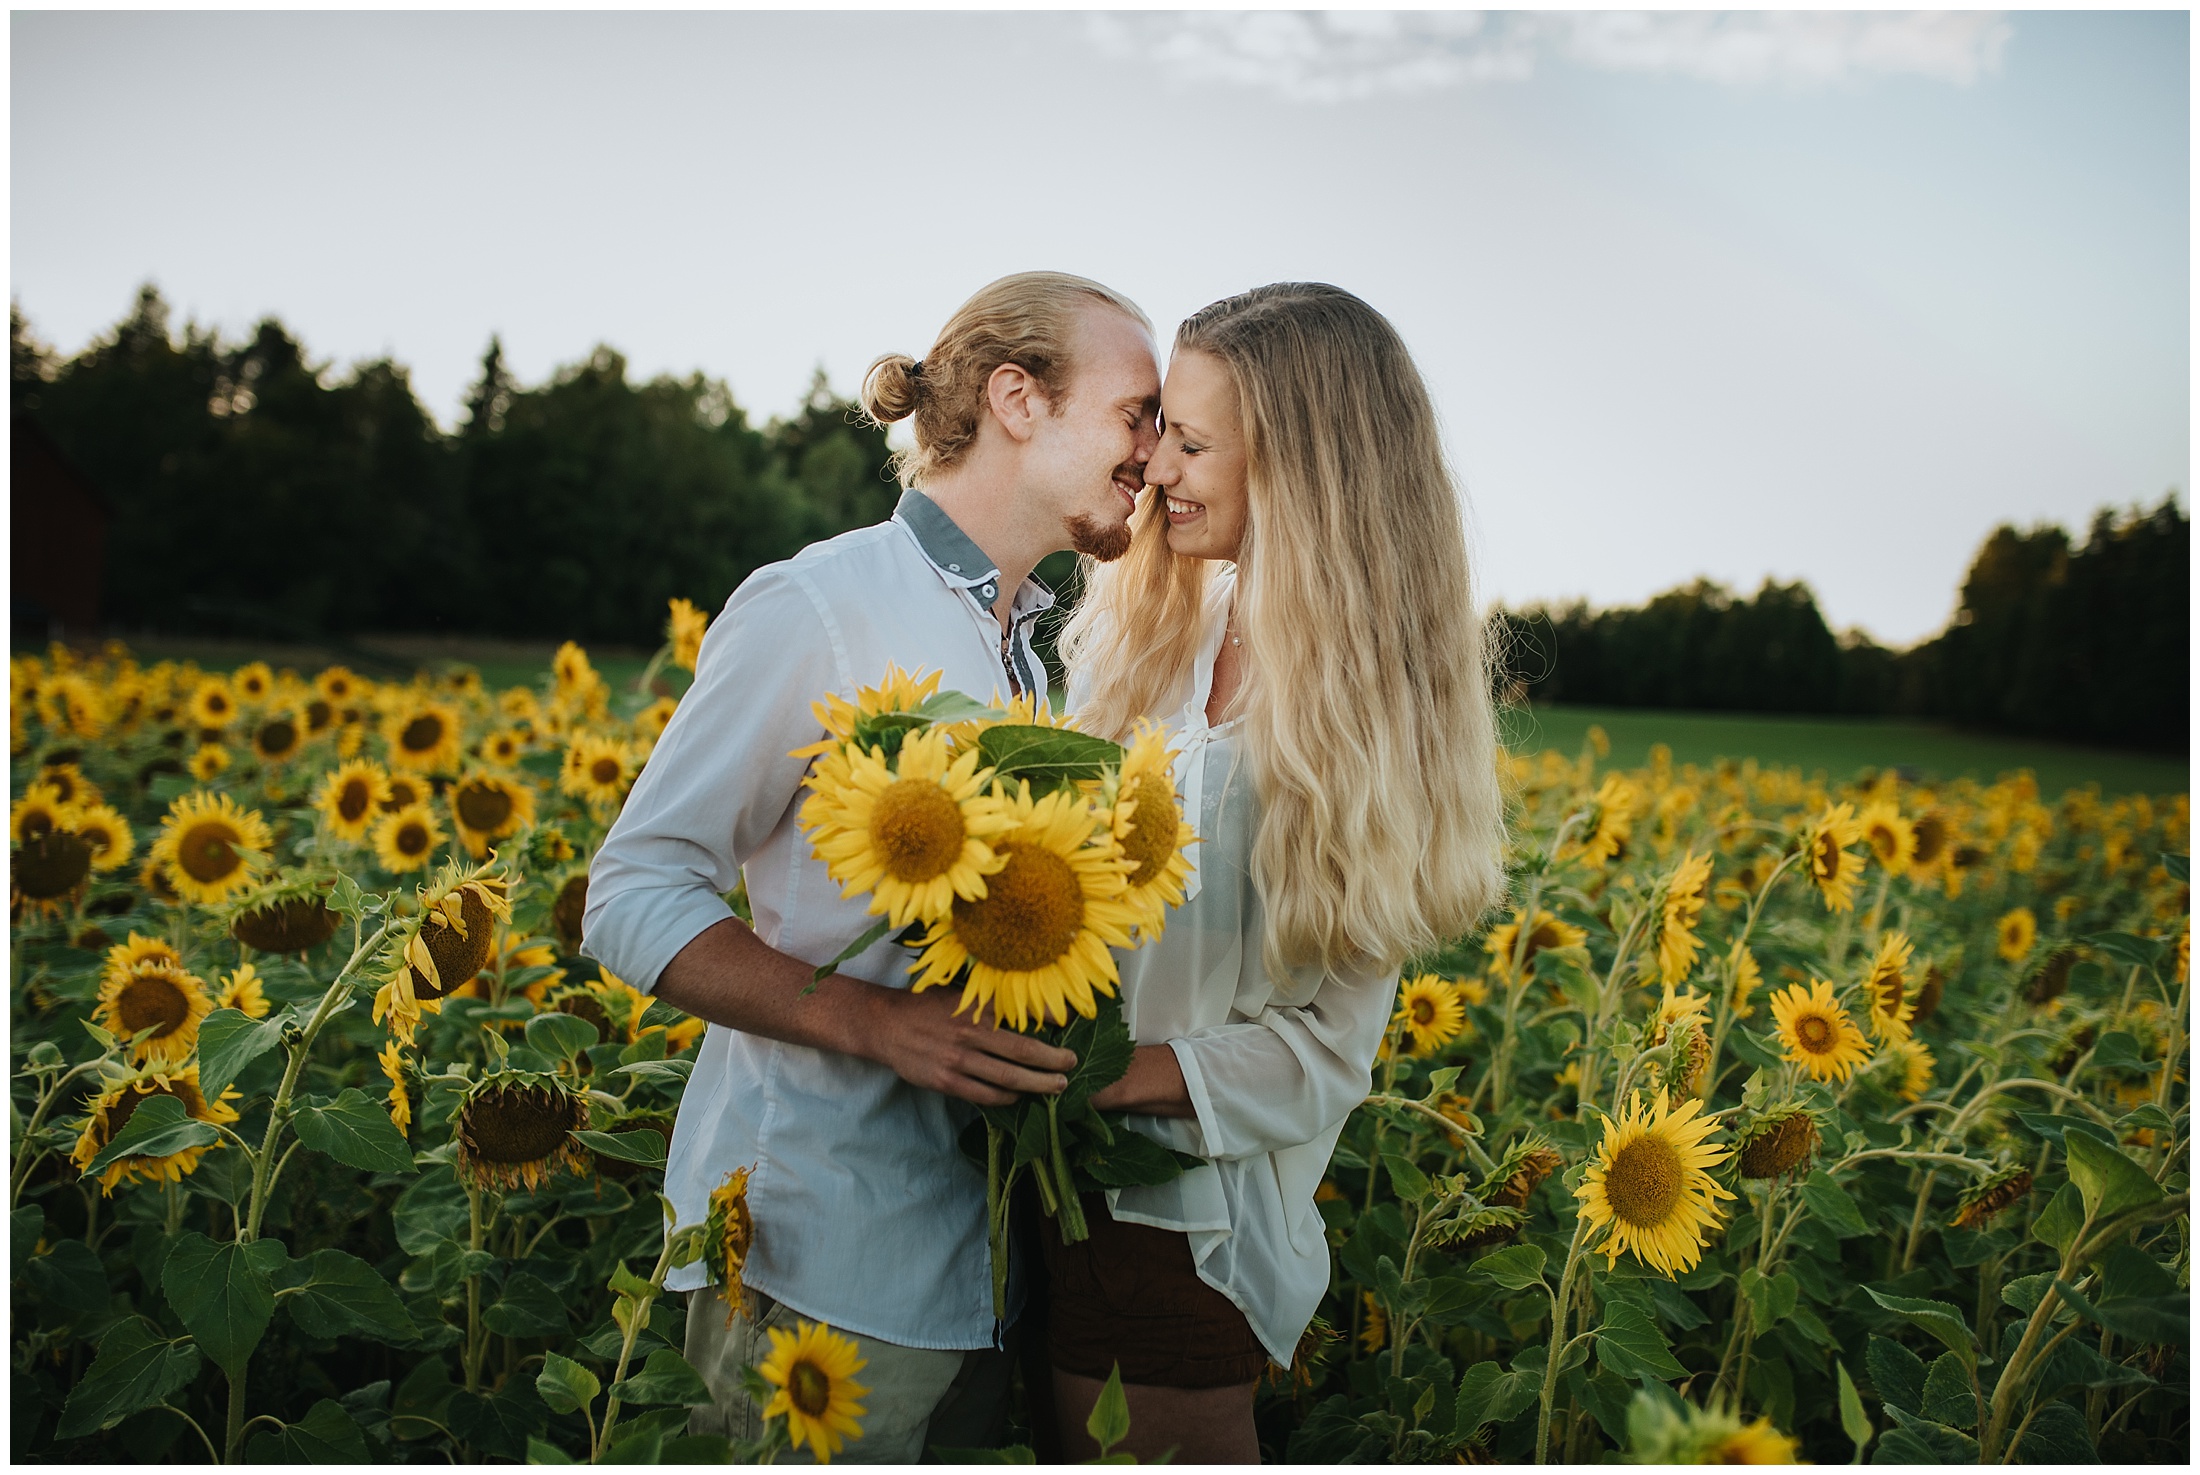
(1296, 604)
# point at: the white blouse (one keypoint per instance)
(1272, 1071)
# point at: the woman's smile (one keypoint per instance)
(1182, 511)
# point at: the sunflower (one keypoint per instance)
(1616, 801)
(729, 1234)
(519, 704)
(1886, 988)
(487, 808)
(897, 691)
(253, 684)
(158, 995)
(212, 705)
(1374, 1324)
(1979, 1203)
(685, 630)
(814, 1370)
(1519, 1173)
(1781, 1141)
(443, 947)
(2015, 933)
(1753, 1444)
(1431, 1014)
(72, 704)
(504, 747)
(1917, 1068)
(279, 737)
(392, 1060)
(1834, 868)
(407, 840)
(567, 912)
(572, 671)
(114, 1107)
(1747, 979)
(515, 1129)
(914, 836)
(1149, 824)
(1818, 1032)
(102, 827)
(1650, 1183)
(125, 958)
(1684, 899)
(403, 791)
(597, 769)
(650, 723)
(40, 812)
(288, 915)
(423, 736)
(209, 761)
(1036, 945)
(2052, 977)
(210, 848)
(1890, 838)
(153, 880)
(1548, 932)
(241, 991)
(68, 783)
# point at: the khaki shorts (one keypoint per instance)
(919, 1397)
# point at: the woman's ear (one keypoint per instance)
(1016, 400)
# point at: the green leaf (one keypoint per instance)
(1630, 1345)
(1515, 1267)
(1944, 1446)
(2138, 952)
(2160, 1320)
(1130, 1161)
(356, 1132)
(2119, 1049)
(541, 1452)
(25, 1226)
(332, 1294)
(325, 1436)
(665, 1378)
(565, 1385)
(639, 1444)
(560, 1036)
(646, 1148)
(134, 1370)
(500, 1424)
(1104, 1049)
(2108, 1182)
(1488, 1395)
(2060, 1221)
(430, 1212)
(2058, 1436)
(1109, 1424)
(224, 1294)
(2055, 1129)
(69, 1278)
(1897, 1373)
(1831, 1205)
(1047, 758)
(1761, 1051)
(1014, 1454)
(1948, 1397)
(1771, 1298)
(625, 1282)
(528, 1307)
(229, 1040)
(869, 939)
(1407, 1181)
(1854, 1422)
(1937, 1318)
(953, 706)
(2178, 865)
(2025, 1291)
(155, 1129)
(665, 1072)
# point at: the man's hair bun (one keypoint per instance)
(890, 388)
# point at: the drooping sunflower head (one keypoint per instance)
(112, 1109)
(424, 736)
(2052, 978)
(1817, 1031)
(1513, 958)
(567, 912)
(487, 808)
(441, 948)
(1745, 978)
(730, 1232)
(2015, 933)
(1035, 946)
(1928, 994)
(917, 836)
(212, 705)
(813, 1370)
(1649, 1186)
(49, 871)
(1917, 1069)
(1149, 824)
(1516, 1176)
(1887, 988)
(1685, 895)
(684, 629)
(289, 914)
(1834, 868)
(1616, 802)
(515, 1129)
(1928, 841)
(1778, 1142)
(160, 996)
(598, 769)
(1978, 1204)
(1430, 1014)
(349, 798)
(406, 839)
(210, 848)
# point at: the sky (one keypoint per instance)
(1737, 295)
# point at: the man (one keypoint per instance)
(1034, 415)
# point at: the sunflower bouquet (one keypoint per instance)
(1010, 852)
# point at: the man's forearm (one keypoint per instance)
(730, 976)
(1153, 1086)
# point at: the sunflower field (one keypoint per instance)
(1771, 1120)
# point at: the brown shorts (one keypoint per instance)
(1130, 1296)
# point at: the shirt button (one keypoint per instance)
(988, 591)
(954, 568)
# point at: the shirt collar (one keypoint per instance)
(961, 562)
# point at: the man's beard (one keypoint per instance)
(1104, 542)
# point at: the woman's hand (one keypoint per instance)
(1153, 1086)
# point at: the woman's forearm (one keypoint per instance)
(1153, 1086)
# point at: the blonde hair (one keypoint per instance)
(1029, 319)
(1370, 732)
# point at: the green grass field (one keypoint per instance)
(1840, 746)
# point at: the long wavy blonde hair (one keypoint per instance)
(1369, 727)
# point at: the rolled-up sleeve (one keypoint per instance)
(1285, 1076)
(719, 781)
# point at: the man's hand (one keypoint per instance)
(730, 976)
(927, 1045)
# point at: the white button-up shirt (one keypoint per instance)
(868, 1216)
(1273, 1067)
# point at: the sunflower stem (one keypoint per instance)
(635, 1321)
(1073, 1226)
(474, 1341)
(1559, 1304)
(996, 1220)
(38, 1116)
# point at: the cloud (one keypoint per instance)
(1338, 55)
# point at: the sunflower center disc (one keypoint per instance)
(568, 910)
(1643, 1184)
(1031, 913)
(353, 799)
(1825, 858)
(809, 1388)
(483, 807)
(457, 959)
(150, 998)
(278, 738)
(421, 734)
(1814, 1033)
(50, 865)
(1424, 1012)
(917, 828)
(412, 840)
(1152, 839)
(604, 770)
(208, 852)
(516, 1124)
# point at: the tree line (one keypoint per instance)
(2055, 638)
(251, 492)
